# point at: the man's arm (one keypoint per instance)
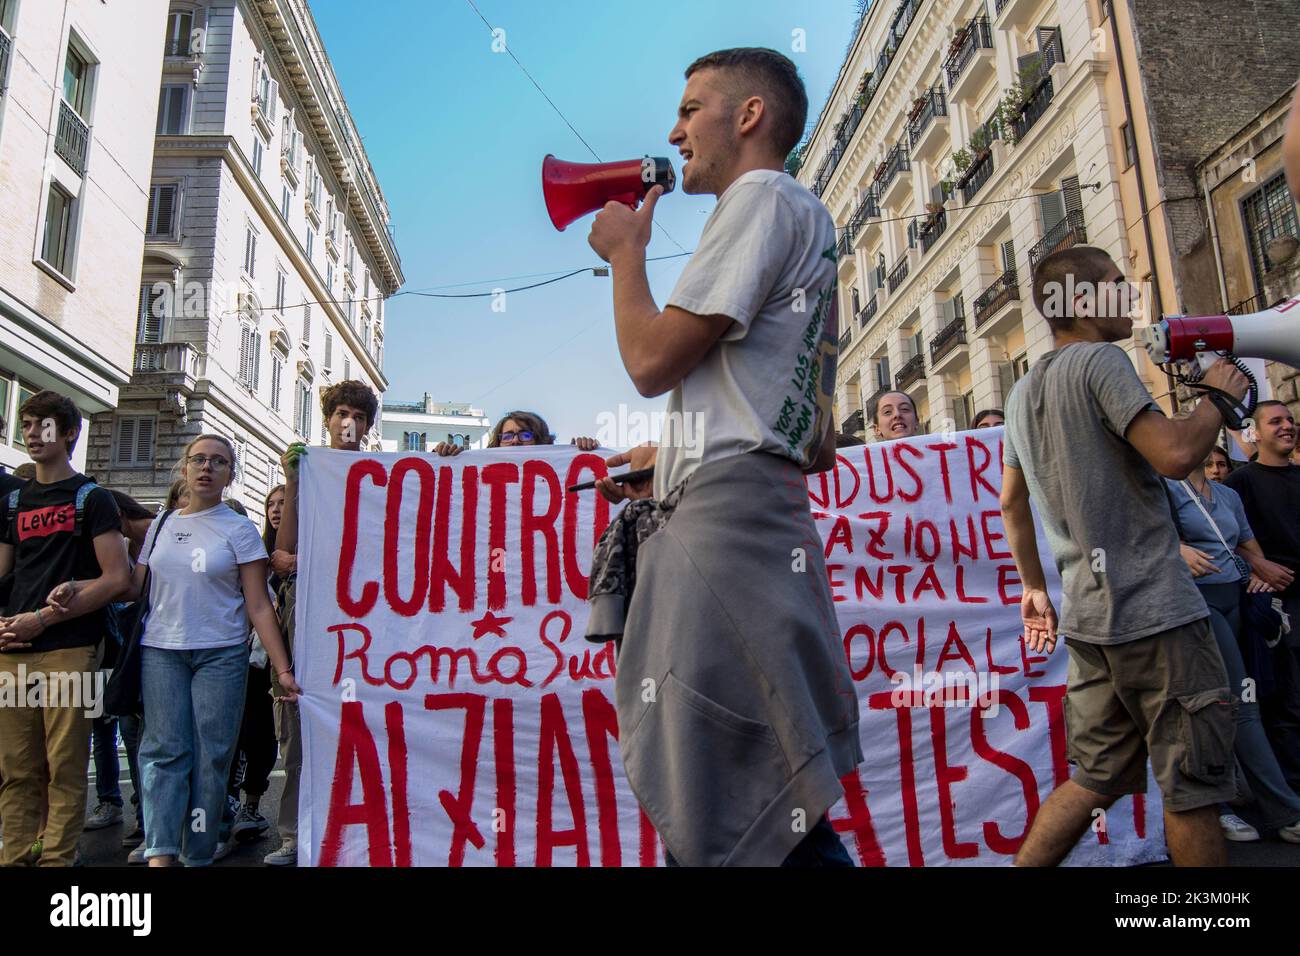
(286, 536)
(658, 349)
(1036, 610)
(1176, 446)
(70, 599)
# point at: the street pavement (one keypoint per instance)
(104, 847)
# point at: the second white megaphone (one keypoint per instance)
(1271, 334)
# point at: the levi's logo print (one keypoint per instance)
(43, 522)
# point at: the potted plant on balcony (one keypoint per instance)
(959, 39)
(979, 144)
(960, 160)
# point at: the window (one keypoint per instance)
(352, 311)
(302, 407)
(180, 26)
(258, 149)
(56, 249)
(285, 197)
(963, 411)
(311, 237)
(1130, 145)
(1051, 210)
(159, 220)
(277, 377)
(133, 441)
(882, 373)
(347, 368)
(250, 341)
(1019, 367)
(281, 281)
(171, 110)
(268, 92)
(153, 309)
(76, 81)
(329, 277)
(24, 392)
(1269, 212)
(250, 250)
(306, 322)
(414, 441)
(915, 344)
(329, 351)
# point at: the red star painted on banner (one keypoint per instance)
(489, 623)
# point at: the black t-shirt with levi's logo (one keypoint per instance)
(47, 552)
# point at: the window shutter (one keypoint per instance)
(149, 329)
(306, 322)
(271, 100)
(297, 408)
(1051, 209)
(125, 440)
(1008, 255)
(166, 210)
(329, 350)
(1049, 42)
(144, 441)
(1072, 197)
(1006, 380)
(256, 357)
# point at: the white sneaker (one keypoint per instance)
(1291, 834)
(136, 856)
(1239, 831)
(287, 855)
(224, 849)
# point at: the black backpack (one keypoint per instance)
(122, 694)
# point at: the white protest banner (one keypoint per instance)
(454, 714)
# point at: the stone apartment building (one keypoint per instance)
(74, 187)
(267, 256)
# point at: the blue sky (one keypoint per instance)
(456, 134)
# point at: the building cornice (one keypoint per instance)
(301, 52)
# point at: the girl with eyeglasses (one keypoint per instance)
(207, 584)
(515, 429)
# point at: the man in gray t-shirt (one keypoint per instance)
(1085, 441)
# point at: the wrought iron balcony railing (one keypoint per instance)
(1005, 288)
(950, 336)
(898, 273)
(1066, 233)
(978, 37)
(71, 138)
(911, 372)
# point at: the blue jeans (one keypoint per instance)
(822, 847)
(1277, 803)
(193, 703)
(103, 744)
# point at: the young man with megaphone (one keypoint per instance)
(737, 712)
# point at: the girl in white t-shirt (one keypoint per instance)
(207, 587)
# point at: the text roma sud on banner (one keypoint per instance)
(454, 714)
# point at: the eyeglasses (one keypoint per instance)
(216, 461)
(510, 438)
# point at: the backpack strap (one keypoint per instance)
(83, 493)
(13, 514)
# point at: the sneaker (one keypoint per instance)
(1291, 834)
(104, 815)
(136, 856)
(1238, 830)
(134, 837)
(249, 823)
(287, 855)
(224, 849)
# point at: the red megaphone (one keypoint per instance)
(574, 189)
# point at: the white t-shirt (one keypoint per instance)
(195, 599)
(767, 260)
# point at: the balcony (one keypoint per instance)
(855, 424)
(177, 364)
(289, 165)
(970, 64)
(866, 219)
(846, 337)
(899, 273)
(894, 182)
(844, 247)
(1018, 14)
(911, 372)
(1030, 113)
(979, 172)
(71, 139)
(934, 227)
(927, 131)
(993, 301)
(1066, 233)
(868, 312)
(950, 337)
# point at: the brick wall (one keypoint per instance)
(1207, 69)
